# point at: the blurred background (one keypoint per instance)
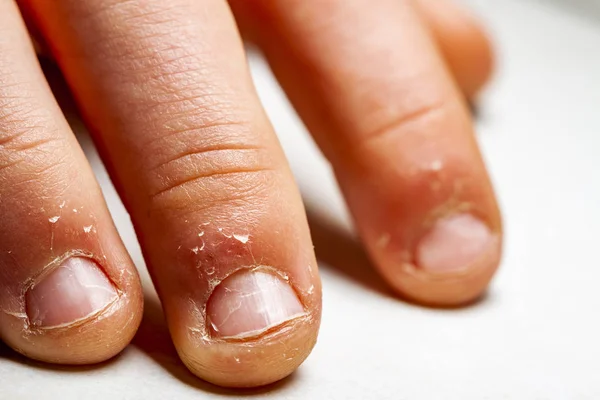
(591, 8)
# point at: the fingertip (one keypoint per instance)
(243, 349)
(435, 235)
(91, 339)
(472, 60)
(69, 293)
(426, 280)
(79, 309)
(253, 362)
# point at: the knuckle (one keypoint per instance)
(32, 148)
(414, 119)
(198, 125)
(29, 141)
(212, 169)
(230, 188)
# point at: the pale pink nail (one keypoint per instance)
(453, 243)
(71, 292)
(249, 303)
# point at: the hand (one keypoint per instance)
(165, 91)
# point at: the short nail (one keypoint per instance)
(250, 302)
(453, 243)
(74, 290)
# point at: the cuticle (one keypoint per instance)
(52, 266)
(431, 220)
(266, 334)
(273, 331)
(412, 268)
(57, 262)
(31, 328)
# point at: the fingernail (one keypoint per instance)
(250, 302)
(74, 290)
(453, 243)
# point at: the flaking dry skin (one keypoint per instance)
(31, 329)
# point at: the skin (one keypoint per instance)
(164, 88)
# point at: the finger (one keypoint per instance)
(166, 89)
(68, 290)
(370, 86)
(462, 41)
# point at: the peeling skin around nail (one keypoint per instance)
(256, 337)
(200, 331)
(106, 311)
(29, 329)
(454, 204)
(220, 230)
(51, 266)
(212, 251)
(20, 315)
(102, 313)
(42, 315)
(221, 245)
(241, 238)
(261, 332)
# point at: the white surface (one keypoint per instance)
(536, 336)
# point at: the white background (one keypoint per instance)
(535, 336)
